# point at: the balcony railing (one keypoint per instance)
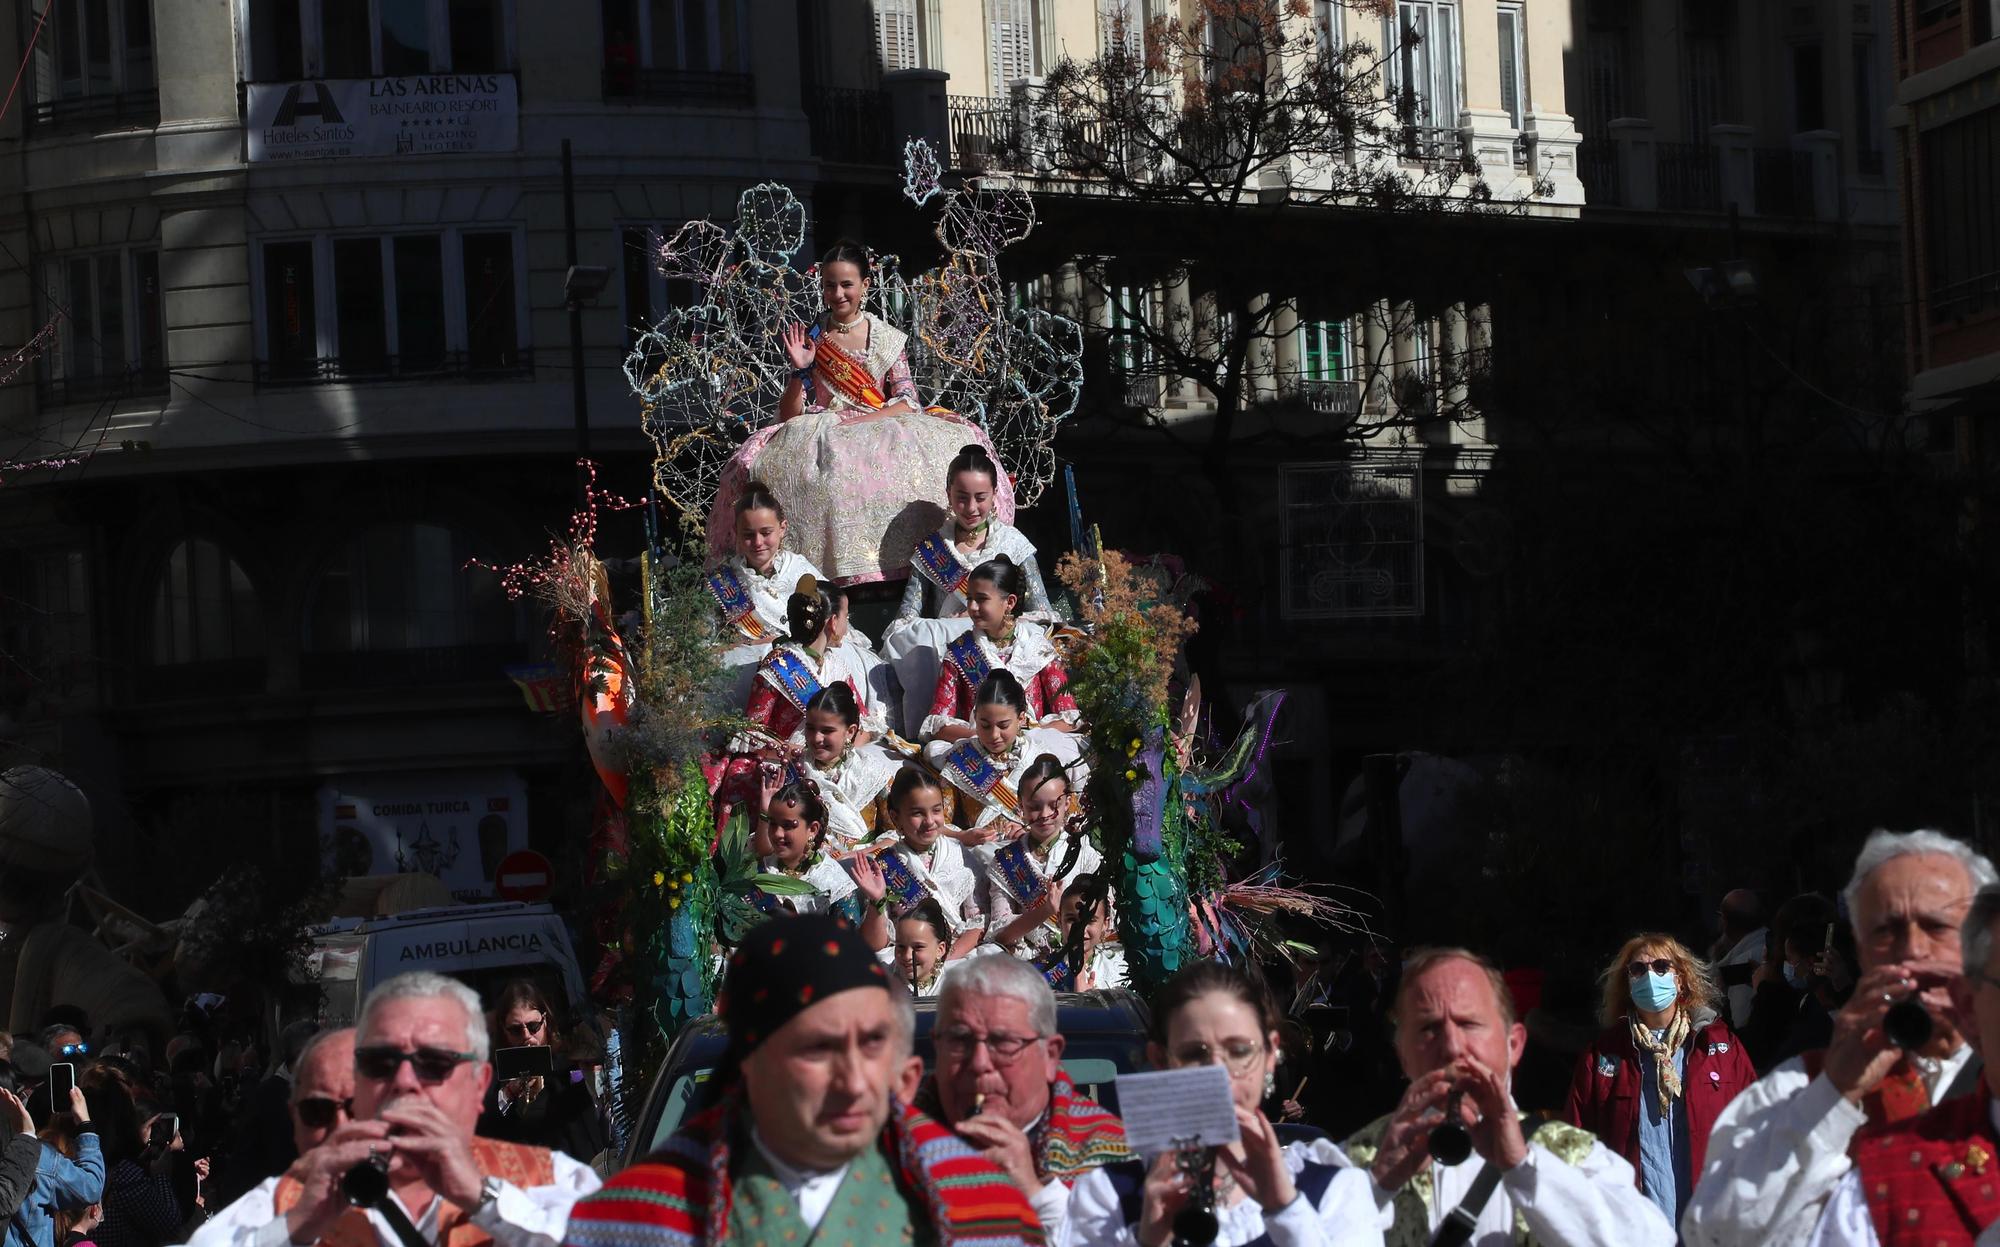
(1690, 177)
(1433, 144)
(452, 366)
(123, 110)
(1962, 299)
(1331, 398)
(1784, 184)
(1597, 168)
(852, 127)
(149, 381)
(985, 133)
(686, 87)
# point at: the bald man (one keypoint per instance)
(1739, 950)
(322, 1101)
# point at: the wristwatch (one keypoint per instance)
(489, 1193)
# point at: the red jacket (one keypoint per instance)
(1604, 1095)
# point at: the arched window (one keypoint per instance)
(204, 608)
(405, 587)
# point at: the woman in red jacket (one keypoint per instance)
(1653, 1082)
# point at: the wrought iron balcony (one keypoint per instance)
(686, 87)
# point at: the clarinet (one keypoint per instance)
(1195, 1224)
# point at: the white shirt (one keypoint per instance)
(1596, 1201)
(534, 1217)
(1748, 951)
(1775, 1156)
(1846, 1222)
(1345, 1216)
(811, 1192)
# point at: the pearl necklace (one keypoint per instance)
(839, 327)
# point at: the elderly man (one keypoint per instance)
(1933, 1181)
(1458, 1043)
(420, 1075)
(809, 1141)
(1781, 1147)
(321, 1098)
(999, 1084)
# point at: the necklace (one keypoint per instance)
(843, 326)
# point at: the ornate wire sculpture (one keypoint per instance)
(711, 373)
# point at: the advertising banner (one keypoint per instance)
(458, 826)
(427, 115)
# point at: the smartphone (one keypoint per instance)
(165, 1127)
(524, 1062)
(62, 1078)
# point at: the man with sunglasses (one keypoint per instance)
(810, 1141)
(322, 1100)
(999, 1084)
(1781, 1148)
(1458, 1041)
(420, 1074)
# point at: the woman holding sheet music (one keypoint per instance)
(1261, 1190)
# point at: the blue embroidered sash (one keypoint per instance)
(905, 891)
(790, 675)
(726, 587)
(934, 558)
(966, 654)
(970, 768)
(1018, 873)
(1054, 966)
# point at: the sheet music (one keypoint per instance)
(1169, 1110)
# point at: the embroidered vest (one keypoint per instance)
(867, 1208)
(1413, 1203)
(517, 1163)
(1933, 1180)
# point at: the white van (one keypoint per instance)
(486, 946)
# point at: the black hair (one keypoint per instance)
(837, 698)
(908, 780)
(1089, 891)
(931, 914)
(1204, 977)
(757, 496)
(1001, 688)
(1042, 770)
(972, 458)
(805, 794)
(1003, 574)
(847, 251)
(807, 611)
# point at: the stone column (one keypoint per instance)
(917, 107)
(1373, 365)
(1290, 360)
(1181, 323)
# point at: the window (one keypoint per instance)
(896, 34)
(403, 587)
(44, 623)
(374, 306)
(1126, 318)
(293, 39)
(1121, 24)
(1961, 182)
(1323, 350)
(1513, 65)
(1867, 121)
(95, 47)
(1808, 87)
(700, 35)
(1326, 24)
(112, 338)
(1611, 88)
(647, 292)
(1010, 42)
(1424, 68)
(1707, 25)
(204, 609)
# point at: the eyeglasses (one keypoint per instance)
(432, 1065)
(527, 1029)
(1005, 1049)
(1658, 965)
(1236, 1057)
(76, 1049)
(318, 1112)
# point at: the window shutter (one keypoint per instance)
(896, 34)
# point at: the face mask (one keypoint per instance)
(1655, 992)
(1792, 976)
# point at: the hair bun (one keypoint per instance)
(972, 450)
(807, 586)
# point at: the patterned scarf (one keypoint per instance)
(1662, 1050)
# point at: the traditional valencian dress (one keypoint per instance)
(855, 788)
(787, 679)
(946, 872)
(1019, 876)
(1029, 655)
(984, 787)
(933, 612)
(835, 886)
(753, 603)
(853, 487)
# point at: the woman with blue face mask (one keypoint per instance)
(1651, 1085)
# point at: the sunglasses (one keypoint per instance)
(527, 1028)
(76, 1049)
(432, 1065)
(1658, 965)
(319, 1112)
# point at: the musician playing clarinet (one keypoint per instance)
(1458, 1042)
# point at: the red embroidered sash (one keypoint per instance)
(514, 1162)
(846, 375)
